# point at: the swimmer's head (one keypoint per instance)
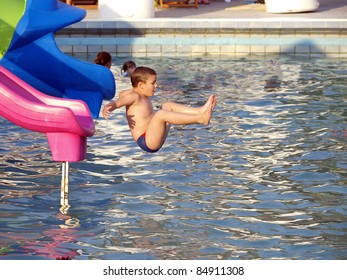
(103, 58)
(128, 68)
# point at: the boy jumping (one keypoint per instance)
(148, 128)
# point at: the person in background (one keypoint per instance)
(128, 68)
(103, 58)
(70, 2)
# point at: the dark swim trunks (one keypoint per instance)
(142, 144)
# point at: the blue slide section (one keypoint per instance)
(34, 56)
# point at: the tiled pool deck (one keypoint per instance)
(217, 29)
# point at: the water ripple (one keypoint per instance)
(266, 180)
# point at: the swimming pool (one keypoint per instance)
(266, 180)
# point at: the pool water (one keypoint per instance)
(265, 180)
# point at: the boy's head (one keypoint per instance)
(141, 74)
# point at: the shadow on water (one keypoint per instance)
(266, 180)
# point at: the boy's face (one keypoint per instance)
(150, 86)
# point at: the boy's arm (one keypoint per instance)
(124, 100)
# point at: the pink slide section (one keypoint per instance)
(67, 123)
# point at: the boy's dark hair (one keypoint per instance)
(141, 74)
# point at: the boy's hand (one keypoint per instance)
(106, 111)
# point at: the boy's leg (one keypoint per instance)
(157, 130)
(157, 133)
(180, 108)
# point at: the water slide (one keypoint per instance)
(38, 81)
(67, 123)
(30, 52)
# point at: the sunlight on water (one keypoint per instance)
(266, 180)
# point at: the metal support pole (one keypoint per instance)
(64, 195)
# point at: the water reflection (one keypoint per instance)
(267, 178)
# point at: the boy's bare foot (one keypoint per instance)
(211, 101)
(209, 106)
